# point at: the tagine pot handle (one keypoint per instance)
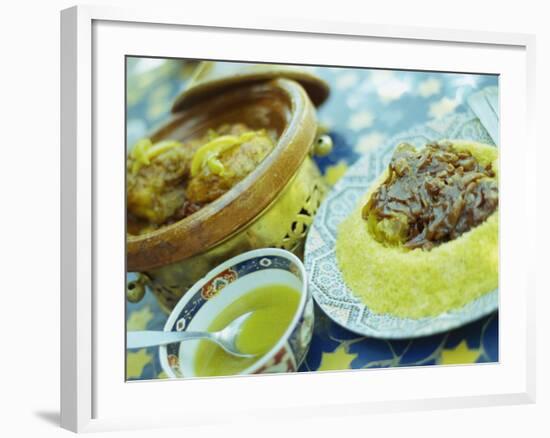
(135, 289)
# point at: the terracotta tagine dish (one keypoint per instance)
(246, 139)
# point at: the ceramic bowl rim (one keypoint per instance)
(163, 356)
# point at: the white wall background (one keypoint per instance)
(29, 215)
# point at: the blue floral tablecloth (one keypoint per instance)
(366, 107)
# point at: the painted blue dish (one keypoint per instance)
(326, 282)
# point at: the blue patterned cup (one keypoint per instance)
(227, 283)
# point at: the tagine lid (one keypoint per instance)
(211, 78)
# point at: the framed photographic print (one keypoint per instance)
(291, 218)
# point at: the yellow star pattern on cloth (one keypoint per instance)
(135, 362)
(340, 359)
(429, 87)
(335, 172)
(459, 355)
(369, 142)
(139, 319)
(361, 120)
(443, 107)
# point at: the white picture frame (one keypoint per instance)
(93, 396)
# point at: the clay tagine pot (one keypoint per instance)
(272, 207)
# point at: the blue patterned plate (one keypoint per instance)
(326, 282)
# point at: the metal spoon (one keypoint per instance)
(225, 338)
